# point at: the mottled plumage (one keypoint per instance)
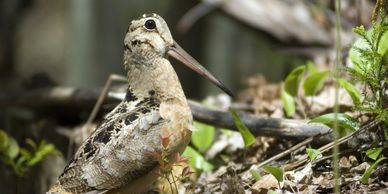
(120, 151)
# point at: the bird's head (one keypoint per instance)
(149, 38)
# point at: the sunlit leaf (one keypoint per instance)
(368, 171)
(246, 134)
(203, 137)
(32, 143)
(344, 121)
(43, 150)
(312, 153)
(355, 55)
(288, 104)
(353, 92)
(227, 132)
(383, 44)
(314, 82)
(255, 175)
(3, 140)
(374, 153)
(311, 67)
(12, 149)
(25, 153)
(275, 171)
(291, 84)
(197, 161)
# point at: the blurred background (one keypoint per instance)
(79, 43)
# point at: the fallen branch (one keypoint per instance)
(70, 99)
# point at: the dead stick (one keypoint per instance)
(330, 145)
(73, 99)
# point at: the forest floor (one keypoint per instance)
(239, 169)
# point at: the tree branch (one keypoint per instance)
(68, 99)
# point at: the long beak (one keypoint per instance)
(181, 55)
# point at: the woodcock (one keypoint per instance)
(116, 157)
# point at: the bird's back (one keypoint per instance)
(118, 150)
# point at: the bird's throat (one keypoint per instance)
(158, 79)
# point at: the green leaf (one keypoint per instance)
(203, 137)
(12, 149)
(32, 143)
(355, 55)
(288, 104)
(311, 67)
(197, 161)
(344, 121)
(312, 153)
(275, 171)
(246, 134)
(44, 150)
(353, 92)
(3, 140)
(383, 44)
(25, 153)
(374, 153)
(368, 171)
(255, 175)
(291, 84)
(314, 82)
(227, 132)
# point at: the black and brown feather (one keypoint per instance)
(129, 123)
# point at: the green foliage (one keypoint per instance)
(368, 171)
(288, 104)
(203, 137)
(255, 175)
(21, 160)
(312, 153)
(311, 67)
(293, 79)
(353, 92)
(167, 164)
(314, 82)
(369, 55)
(275, 171)
(247, 136)
(374, 153)
(344, 121)
(197, 161)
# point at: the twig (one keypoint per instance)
(288, 151)
(330, 145)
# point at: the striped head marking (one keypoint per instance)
(148, 34)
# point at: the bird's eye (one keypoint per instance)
(150, 24)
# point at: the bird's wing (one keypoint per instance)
(119, 149)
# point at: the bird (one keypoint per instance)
(116, 156)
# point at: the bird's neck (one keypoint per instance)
(157, 79)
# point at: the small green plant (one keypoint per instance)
(203, 137)
(312, 153)
(277, 172)
(167, 164)
(368, 171)
(246, 134)
(344, 122)
(312, 84)
(197, 161)
(21, 160)
(369, 55)
(255, 175)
